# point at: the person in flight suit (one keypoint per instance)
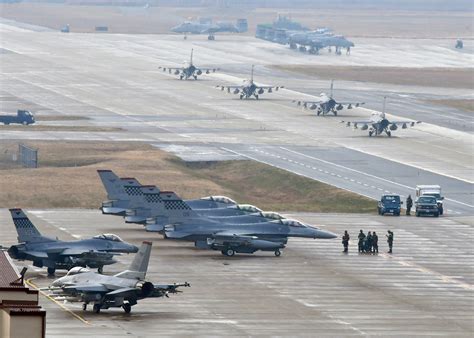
(390, 241)
(361, 241)
(345, 241)
(375, 243)
(368, 242)
(409, 205)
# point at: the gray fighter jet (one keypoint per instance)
(126, 198)
(229, 234)
(249, 88)
(124, 289)
(56, 254)
(313, 42)
(326, 104)
(188, 70)
(205, 26)
(379, 124)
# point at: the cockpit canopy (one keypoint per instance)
(76, 270)
(248, 208)
(293, 223)
(271, 215)
(109, 237)
(219, 199)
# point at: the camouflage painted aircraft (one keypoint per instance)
(205, 26)
(326, 104)
(379, 124)
(188, 70)
(249, 88)
(56, 254)
(123, 290)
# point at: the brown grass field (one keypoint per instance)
(430, 77)
(467, 105)
(67, 178)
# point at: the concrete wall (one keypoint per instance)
(18, 296)
(26, 326)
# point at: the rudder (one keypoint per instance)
(27, 232)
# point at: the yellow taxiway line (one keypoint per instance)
(30, 283)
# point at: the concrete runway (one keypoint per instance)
(424, 288)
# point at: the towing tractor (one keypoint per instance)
(431, 190)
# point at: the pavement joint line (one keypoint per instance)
(30, 283)
(376, 177)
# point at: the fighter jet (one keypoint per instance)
(249, 88)
(126, 198)
(379, 124)
(56, 254)
(188, 70)
(228, 234)
(313, 42)
(205, 26)
(327, 104)
(124, 289)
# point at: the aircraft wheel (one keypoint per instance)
(51, 271)
(241, 97)
(229, 252)
(96, 308)
(389, 133)
(195, 77)
(256, 96)
(127, 307)
(335, 113)
(84, 307)
(277, 253)
(370, 133)
(100, 269)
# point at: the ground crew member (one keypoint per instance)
(390, 241)
(361, 241)
(409, 205)
(368, 242)
(345, 241)
(375, 242)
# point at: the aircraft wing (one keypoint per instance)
(83, 252)
(269, 88)
(171, 70)
(349, 105)
(86, 288)
(207, 70)
(364, 125)
(404, 124)
(123, 292)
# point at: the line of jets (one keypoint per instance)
(324, 104)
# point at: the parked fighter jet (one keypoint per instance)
(56, 254)
(379, 124)
(121, 290)
(313, 42)
(126, 198)
(188, 70)
(229, 234)
(327, 104)
(249, 88)
(205, 26)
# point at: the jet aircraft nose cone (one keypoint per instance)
(323, 234)
(134, 248)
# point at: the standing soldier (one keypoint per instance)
(390, 241)
(361, 241)
(368, 242)
(409, 205)
(375, 242)
(345, 241)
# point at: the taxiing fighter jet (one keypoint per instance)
(188, 70)
(56, 254)
(379, 124)
(325, 104)
(124, 289)
(249, 88)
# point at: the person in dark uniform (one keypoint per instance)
(345, 241)
(368, 242)
(409, 205)
(375, 243)
(361, 241)
(390, 241)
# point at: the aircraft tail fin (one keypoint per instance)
(191, 59)
(332, 88)
(27, 232)
(111, 183)
(251, 73)
(139, 266)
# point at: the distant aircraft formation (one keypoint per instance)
(213, 223)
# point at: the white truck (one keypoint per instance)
(431, 190)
